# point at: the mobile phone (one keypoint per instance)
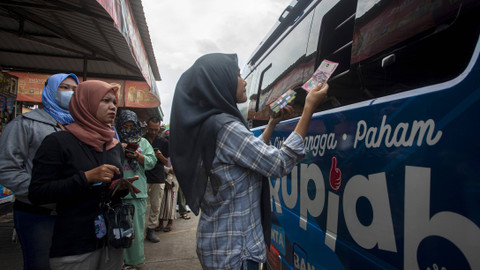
(155, 149)
(131, 179)
(131, 147)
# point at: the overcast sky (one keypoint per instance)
(183, 30)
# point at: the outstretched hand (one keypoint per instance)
(102, 173)
(314, 98)
(317, 95)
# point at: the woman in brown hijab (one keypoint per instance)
(74, 169)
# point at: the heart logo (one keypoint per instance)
(335, 175)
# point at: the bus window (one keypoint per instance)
(402, 52)
(335, 44)
(280, 70)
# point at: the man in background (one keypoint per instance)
(155, 176)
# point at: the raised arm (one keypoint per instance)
(316, 96)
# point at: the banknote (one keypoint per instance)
(321, 75)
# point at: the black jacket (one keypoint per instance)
(157, 174)
(58, 177)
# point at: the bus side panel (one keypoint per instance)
(393, 185)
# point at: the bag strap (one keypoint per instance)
(103, 192)
(104, 154)
(61, 126)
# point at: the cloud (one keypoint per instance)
(207, 46)
(183, 30)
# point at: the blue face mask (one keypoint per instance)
(63, 98)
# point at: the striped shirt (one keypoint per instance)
(230, 231)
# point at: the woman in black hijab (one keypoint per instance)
(220, 164)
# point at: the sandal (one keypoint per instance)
(185, 216)
(167, 229)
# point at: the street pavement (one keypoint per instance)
(176, 249)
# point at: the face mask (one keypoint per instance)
(63, 98)
(128, 133)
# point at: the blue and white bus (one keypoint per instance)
(391, 179)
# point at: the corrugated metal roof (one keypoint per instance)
(57, 36)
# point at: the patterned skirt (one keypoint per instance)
(169, 201)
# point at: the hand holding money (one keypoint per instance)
(321, 75)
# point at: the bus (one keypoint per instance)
(391, 176)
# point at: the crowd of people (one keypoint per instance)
(62, 162)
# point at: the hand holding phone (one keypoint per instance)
(131, 147)
(124, 183)
(131, 179)
(157, 152)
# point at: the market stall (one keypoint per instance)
(95, 39)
